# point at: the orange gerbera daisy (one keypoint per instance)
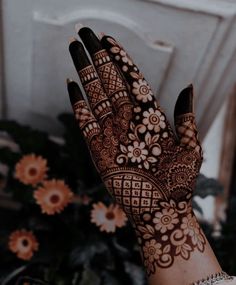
(53, 196)
(31, 169)
(108, 218)
(23, 243)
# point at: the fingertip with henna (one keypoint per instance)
(74, 91)
(90, 40)
(78, 55)
(78, 26)
(184, 103)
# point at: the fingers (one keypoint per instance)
(139, 88)
(185, 121)
(87, 122)
(148, 113)
(109, 74)
(98, 100)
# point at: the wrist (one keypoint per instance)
(170, 231)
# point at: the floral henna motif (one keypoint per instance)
(150, 173)
(174, 228)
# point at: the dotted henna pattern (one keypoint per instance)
(149, 171)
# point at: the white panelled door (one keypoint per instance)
(175, 42)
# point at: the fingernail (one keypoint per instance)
(68, 80)
(78, 26)
(72, 39)
(101, 35)
(190, 86)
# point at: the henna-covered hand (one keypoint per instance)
(147, 168)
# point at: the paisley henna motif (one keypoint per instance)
(149, 171)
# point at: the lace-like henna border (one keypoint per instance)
(214, 278)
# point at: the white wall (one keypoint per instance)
(212, 146)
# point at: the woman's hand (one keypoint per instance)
(150, 171)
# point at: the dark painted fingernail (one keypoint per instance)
(72, 39)
(101, 35)
(68, 80)
(78, 26)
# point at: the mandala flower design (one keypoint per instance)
(154, 120)
(23, 243)
(137, 152)
(151, 252)
(180, 176)
(108, 218)
(142, 91)
(165, 220)
(31, 169)
(191, 227)
(53, 196)
(190, 158)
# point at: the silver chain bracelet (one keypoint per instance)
(213, 279)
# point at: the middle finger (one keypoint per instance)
(108, 72)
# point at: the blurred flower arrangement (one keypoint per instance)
(58, 223)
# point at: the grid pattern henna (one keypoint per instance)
(187, 130)
(111, 78)
(133, 193)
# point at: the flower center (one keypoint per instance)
(25, 242)
(166, 220)
(151, 250)
(137, 152)
(144, 90)
(181, 177)
(54, 199)
(154, 119)
(188, 159)
(110, 215)
(32, 171)
(191, 224)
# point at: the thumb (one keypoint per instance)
(185, 120)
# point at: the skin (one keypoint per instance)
(148, 168)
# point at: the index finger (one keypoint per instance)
(139, 87)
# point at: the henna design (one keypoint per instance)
(174, 227)
(150, 173)
(99, 103)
